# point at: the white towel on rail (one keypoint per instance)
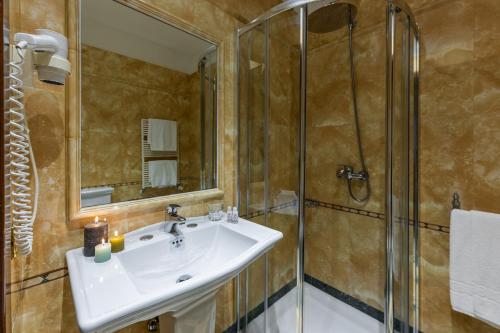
(163, 173)
(162, 135)
(475, 264)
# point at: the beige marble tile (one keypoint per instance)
(46, 107)
(459, 104)
(117, 92)
(36, 14)
(327, 248)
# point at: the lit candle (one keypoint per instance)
(92, 235)
(102, 252)
(117, 242)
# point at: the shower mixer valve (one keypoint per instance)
(348, 173)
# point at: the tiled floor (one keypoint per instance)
(322, 314)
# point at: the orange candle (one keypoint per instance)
(117, 242)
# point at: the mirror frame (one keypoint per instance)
(75, 213)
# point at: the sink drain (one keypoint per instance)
(146, 237)
(183, 278)
(192, 225)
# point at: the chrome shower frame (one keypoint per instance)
(393, 7)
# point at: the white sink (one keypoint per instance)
(141, 282)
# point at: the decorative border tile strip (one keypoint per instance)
(341, 296)
(37, 280)
(315, 203)
(116, 184)
(346, 298)
(276, 208)
(352, 301)
(137, 182)
(380, 216)
(259, 309)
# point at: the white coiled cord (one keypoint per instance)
(23, 211)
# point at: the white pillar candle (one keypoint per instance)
(102, 252)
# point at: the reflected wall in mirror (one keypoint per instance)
(148, 106)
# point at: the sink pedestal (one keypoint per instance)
(198, 317)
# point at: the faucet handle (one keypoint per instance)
(172, 209)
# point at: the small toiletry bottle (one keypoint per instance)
(229, 214)
(234, 217)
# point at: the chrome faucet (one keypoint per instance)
(347, 172)
(172, 222)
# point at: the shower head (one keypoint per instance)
(332, 17)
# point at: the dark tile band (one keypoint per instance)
(341, 296)
(311, 203)
(352, 301)
(276, 208)
(259, 309)
(37, 280)
(116, 184)
(375, 215)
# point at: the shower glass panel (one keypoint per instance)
(344, 232)
(404, 162)
(268, 164)
(251, 164)
(312, 101)
(400, 177)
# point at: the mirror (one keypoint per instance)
(148, 106)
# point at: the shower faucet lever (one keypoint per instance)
(347, 172)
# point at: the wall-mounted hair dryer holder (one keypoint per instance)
(50, 56)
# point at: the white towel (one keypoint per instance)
(475, 265)
(162, 135)
(163, 173)
(285, 197)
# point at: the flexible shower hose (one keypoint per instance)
(356, 121)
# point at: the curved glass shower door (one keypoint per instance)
(327, 110)
(269, 166)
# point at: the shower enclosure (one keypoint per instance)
(328, 154)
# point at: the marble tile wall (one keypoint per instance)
(48, 307)
(117, 92)
(460, 142)
(459, 139)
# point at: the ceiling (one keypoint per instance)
(108, 25)
(245, 11)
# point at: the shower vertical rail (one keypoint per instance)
(238, 167)
(394, 7)
(248, 137)
(389, 297)
(416, 195)
(302, 167)
(267, 206)
(404, 210)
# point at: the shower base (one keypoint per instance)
(322, 314)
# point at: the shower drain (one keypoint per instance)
(183, 278)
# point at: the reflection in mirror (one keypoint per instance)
(148, 106)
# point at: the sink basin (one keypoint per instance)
(152, 277)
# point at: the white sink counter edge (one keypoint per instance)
(151, 304)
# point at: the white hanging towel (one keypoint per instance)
(475, 265)
(163, 173)
(162, 135)
(285, 197)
